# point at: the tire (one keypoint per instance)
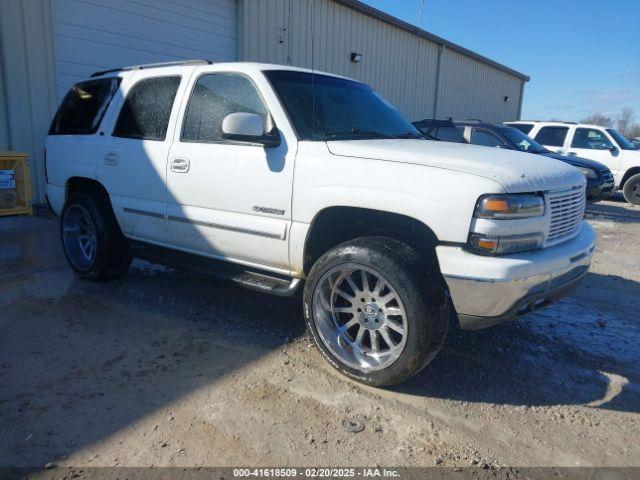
(92, 240)
(409, 317)
(631, 190)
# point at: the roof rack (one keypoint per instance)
(477, 120)
(152, 65)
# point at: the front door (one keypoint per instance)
(132, 166)
(594, 144)
(226, 199)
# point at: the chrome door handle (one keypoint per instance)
(111, 158)
(179, 165)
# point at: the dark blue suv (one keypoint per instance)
(600, 181)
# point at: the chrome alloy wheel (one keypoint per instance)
(635, 191)
(360, 317)
(79, 237)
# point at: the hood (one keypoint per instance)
(515, 171)
(577, 161)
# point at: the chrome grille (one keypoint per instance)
(567, 210)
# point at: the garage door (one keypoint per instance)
(91, 35)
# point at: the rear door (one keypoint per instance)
(553, 137)
(136, 145)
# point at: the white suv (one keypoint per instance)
(276, 177)
(605, 145)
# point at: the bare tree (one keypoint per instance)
(598, 119)
(624, 121)
(634, 131)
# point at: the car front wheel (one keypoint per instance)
(631, 190)
(373, 310)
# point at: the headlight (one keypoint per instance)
(487, 245)
(510, 207)
(589, 173)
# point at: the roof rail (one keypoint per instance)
(477, 120)
(152, 65)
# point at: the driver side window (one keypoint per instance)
(590, 139)
(214, 97)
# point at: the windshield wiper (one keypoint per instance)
(409, 135)
(356, 132)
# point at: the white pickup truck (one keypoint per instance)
(602, 144)
(278, 177)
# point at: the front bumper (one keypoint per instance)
(489, 290)
(600, 189)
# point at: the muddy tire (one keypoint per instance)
(91, 238)
(374, 311)
(631, 190)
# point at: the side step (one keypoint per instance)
(251, 278)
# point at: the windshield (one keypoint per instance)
(621, 140)
(520, 140)
(329, 108)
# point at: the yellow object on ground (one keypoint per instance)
(15, 188)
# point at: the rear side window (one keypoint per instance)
(480, 137)
(450, 134)
(214, 97)
(83, 107)
(552, 136)
(146, 110)
(523, 127)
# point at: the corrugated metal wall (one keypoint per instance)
(401, 65)
(92, 35)
(472, 89)
(28, 78)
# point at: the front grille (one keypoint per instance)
(567, 210)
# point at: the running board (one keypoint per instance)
(251, 278)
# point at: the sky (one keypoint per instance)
(583, 56)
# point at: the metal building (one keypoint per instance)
(47, 45)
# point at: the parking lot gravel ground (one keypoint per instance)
(167, 368)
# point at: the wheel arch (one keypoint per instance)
(338, 224)
(628, 174)
(75, 185)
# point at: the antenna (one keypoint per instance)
(421, 13)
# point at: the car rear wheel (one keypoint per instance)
(91, 238)
(373, 312)
(631, 190)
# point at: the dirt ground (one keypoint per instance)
(165, 368)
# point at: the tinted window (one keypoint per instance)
(450, 134)
(523, 127)
(590, 139)
(330, 108)
(214, 97)
(480, 137)
(621, 139)
(520, 140)
(147, 108)
(552, 136)
(83, 107)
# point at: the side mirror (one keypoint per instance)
(248, 128)
(612, 149)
